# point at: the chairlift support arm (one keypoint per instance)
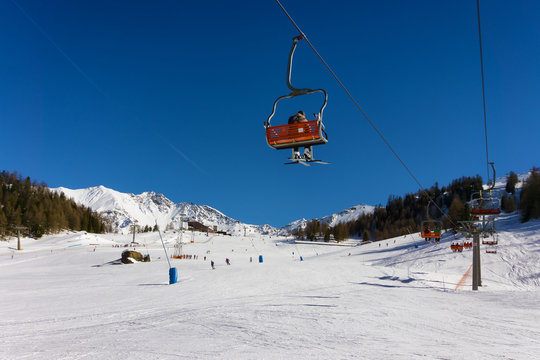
(295, 91)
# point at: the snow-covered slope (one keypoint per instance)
(400, 298)
(122, 210)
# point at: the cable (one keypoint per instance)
(361, 110)
(483, 88)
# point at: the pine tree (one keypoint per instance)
(508, 203)
(365, 237)
(530, 197)
(458, 212)
(511, 183)
(327, 234)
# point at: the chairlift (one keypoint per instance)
(483, 202)
(490, 242)
(456, 247)
(494, 240)
(431, 229)
(303, 134)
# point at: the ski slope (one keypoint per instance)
(61, 299)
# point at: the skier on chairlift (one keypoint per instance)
(300, 117)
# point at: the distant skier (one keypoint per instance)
(228, 261)
(212, 265)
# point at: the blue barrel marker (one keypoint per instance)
(173, 276)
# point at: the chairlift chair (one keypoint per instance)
(456, 247)
(494, 240)
(431, 229)
(294, 136)
(484, 203)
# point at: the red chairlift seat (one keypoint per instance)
(456, 247)
(431, 234)
(490, 242)
(479, 211)
(295, 135)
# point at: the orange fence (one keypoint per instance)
(463, 279)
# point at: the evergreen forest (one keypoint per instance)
(26, 203)
(404, 215)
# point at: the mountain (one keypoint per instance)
(122, 210)
(346, 215)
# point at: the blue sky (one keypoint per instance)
(171, 96)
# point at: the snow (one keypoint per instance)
(61, 299)
(122, 210)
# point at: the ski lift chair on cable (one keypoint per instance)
(431, 229)
(491, 250)
(456, 247)
(303, 134)
(490, 241)
(484, 203)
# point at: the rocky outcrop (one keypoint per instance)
(132, 256)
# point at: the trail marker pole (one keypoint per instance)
(19, 228)
(134, 230)
(476, 261)
(173, 273)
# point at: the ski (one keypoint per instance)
(297, 161)
(306, 162)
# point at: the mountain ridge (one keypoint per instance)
(148, 208)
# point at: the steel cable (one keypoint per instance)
(483, 88)
(362, 111)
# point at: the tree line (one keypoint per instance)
(27, 203)
(404, 215)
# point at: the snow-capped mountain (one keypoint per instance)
(346, 215)
(122, 210)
